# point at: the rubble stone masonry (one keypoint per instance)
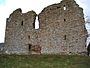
(61, 31)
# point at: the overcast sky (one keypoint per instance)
(8, 6)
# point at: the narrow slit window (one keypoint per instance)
(36, 23)
(29, 47)
(64, 7)
(29, 37)
(22, 23)
(64, 19)
(64, 37)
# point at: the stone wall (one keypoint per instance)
(61, 30)
(20, 32)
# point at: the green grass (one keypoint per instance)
(44, 61)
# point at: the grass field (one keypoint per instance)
(44, 61)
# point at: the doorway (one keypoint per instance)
(29, 48)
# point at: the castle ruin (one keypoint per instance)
(61, 30)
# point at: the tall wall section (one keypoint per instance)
(62, 28)
(20, 32)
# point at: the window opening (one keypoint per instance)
(36, 23)
(64, 7)
(64, 37)
(29, 47)
(64, 19)
(28, 37)
(22, 23)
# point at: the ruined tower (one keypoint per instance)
(20, 32)
(61, 31)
